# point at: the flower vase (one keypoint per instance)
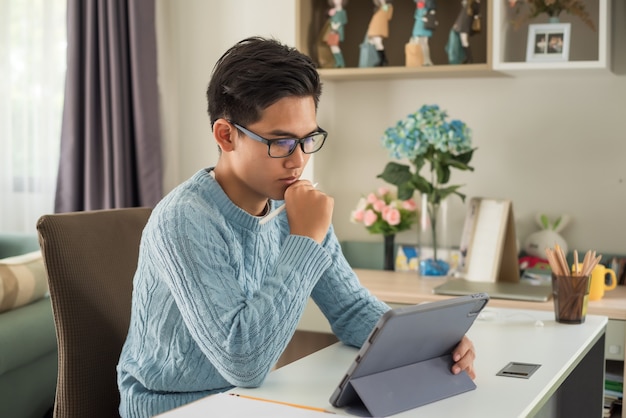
(434, 245)
(389, 261)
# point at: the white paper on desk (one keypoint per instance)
(224, 405)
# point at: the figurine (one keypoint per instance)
(467, 23)
(425, 23)
(379, 27)
(338, 19)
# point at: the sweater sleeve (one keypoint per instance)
(240, 325)
(349, 307)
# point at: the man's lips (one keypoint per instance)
(289, 180)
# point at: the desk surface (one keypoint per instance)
(500, 336)
(408, 288)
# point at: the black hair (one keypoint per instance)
(254, 74)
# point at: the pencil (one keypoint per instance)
(553, 263)
(311, 408)
(560, 258)
(275, 212)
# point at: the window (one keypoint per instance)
(33, 37)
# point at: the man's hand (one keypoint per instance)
(463, 356)
(309, 211)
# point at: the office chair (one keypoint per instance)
(91, 259)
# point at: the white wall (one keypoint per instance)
(553, 143)
(192, 35)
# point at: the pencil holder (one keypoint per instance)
(570, 294)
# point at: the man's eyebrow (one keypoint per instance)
(286, 134)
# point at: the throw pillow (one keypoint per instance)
(23, 279)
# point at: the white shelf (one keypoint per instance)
(504, 37)
(389, 73)
(309, 18)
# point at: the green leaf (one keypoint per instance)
(465, 157)
(460, 166)
(419, 162)
(443, 174)
(396, 174)
(447, 191)
(421, 184)
(545, 222)
(406, 191)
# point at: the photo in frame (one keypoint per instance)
(548, 42)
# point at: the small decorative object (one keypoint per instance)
(526, 10)
(426, 136)
(548, 42)
(423, 27)
(383, 213)
(378, 28)
(407, 258)
(338, 19)
(466, 24)
(325, 57)
(537, 243)
(368, 56)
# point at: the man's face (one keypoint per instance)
(260, 175)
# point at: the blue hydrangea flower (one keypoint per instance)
(426, 129)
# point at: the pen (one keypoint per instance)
(311, 408)
(275, 212)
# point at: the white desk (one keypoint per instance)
(569, 382)
(398, 288)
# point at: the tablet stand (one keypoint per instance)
(403, 388)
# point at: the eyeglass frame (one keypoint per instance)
(268, 142)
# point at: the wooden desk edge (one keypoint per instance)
(409, 288)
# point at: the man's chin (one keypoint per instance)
(278, 196)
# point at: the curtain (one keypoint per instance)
(32, 73)
(110, 140)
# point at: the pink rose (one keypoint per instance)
(382, 191)
(369, 218)
(357, 215)
(409, 204)
(392, 216)
(371, 198)
(379, 205)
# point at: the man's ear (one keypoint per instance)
(224, 134)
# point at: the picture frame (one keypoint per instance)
(548, 42)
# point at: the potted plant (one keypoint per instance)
(381, 212)
(427, 137)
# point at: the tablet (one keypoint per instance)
(406, 360)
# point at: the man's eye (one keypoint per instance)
(283, 143)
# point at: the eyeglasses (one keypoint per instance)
(284, 147)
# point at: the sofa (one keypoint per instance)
(28, 347)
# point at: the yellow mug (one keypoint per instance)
(598, 282)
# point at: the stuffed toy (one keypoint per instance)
(536, 243)
(532, 262)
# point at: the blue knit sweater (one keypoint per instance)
(217, 297)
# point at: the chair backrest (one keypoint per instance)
(91, 259)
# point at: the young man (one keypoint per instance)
(218, 294)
